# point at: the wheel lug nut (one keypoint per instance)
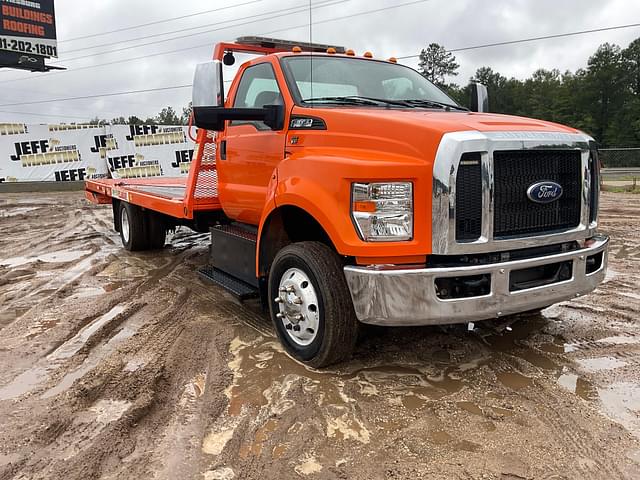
(299, 318)
(296, 328)
(278, 300)
(297, 301)
(279, 315)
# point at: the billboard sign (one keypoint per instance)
(28, 27)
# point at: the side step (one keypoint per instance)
(238, 288)
(233, 251)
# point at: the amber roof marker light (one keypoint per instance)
(331, 51)
(393, 60)
(296, 50)
(368, 55)
(351, 53)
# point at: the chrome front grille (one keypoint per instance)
(515, 171)
(479, 209)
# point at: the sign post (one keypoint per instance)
(27, 34)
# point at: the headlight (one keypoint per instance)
(383, 212)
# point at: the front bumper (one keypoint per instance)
(398, 296)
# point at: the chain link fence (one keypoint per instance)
(620, 157)
(621, 169)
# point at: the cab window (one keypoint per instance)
(258, 87)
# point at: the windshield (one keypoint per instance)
(343, 77)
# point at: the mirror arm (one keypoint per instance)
(213, 118)
(274, 116)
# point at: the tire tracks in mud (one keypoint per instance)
(147, 391)
(189, 384)
(582, 450)
(158, 342)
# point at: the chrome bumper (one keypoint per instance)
(404, 297)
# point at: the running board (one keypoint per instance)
(234, 286)
(233, 251)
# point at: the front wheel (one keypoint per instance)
(310, 304)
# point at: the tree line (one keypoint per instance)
(601, 99)
(166, 116)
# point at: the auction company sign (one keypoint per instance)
(64, 153)
(28, 27)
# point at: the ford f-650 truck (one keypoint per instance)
(342, 189)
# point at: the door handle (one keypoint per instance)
(223, 150)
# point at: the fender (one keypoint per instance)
(269, 207)
(320, 185)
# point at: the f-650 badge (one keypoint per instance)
(544, 192)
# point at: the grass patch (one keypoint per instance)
(621, 178)
(620, 189)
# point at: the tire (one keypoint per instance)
(307, 279)
(156, 231)
(132, 229)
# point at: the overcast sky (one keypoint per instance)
(393, 32)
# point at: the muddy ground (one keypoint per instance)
(117, 365)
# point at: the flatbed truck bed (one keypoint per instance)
(178, 197)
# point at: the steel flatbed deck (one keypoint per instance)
(177, 197)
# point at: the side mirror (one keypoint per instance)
(208, 102)
(479, 98)
(208, 88)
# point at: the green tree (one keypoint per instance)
(168, 116)
(119, 121)
(133, 120)
(436, 64)
(630, 114)
(631, 55)
(459, 94)
(98, 122)
(542, 92)
(604, 83)
(502, 91)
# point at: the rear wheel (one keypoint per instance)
(156, 231)
(140, 230)
(310, 304)
(132, 231)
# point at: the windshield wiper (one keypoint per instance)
(358, 100)
(433, 103)
(361, 100)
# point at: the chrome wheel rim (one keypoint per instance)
(124, 225)
(298, 308)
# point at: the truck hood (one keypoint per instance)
(412, 133)
(445, 122)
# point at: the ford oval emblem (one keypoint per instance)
(544, 192)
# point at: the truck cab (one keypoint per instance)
(354, 191)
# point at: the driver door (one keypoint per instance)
(252, 150)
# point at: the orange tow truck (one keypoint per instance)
(343, 189)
